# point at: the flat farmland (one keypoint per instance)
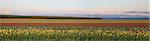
(74, 22)
(70, 21)
(73, 30)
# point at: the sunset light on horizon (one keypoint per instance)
(53, 7)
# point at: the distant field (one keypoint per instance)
(75, 22)
(70, 21)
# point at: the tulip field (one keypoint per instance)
(96, 31)
(56, 33)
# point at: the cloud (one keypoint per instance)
(142, 12)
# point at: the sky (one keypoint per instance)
(48, 7)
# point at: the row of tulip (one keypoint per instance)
(142, 25)
(73, 33)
